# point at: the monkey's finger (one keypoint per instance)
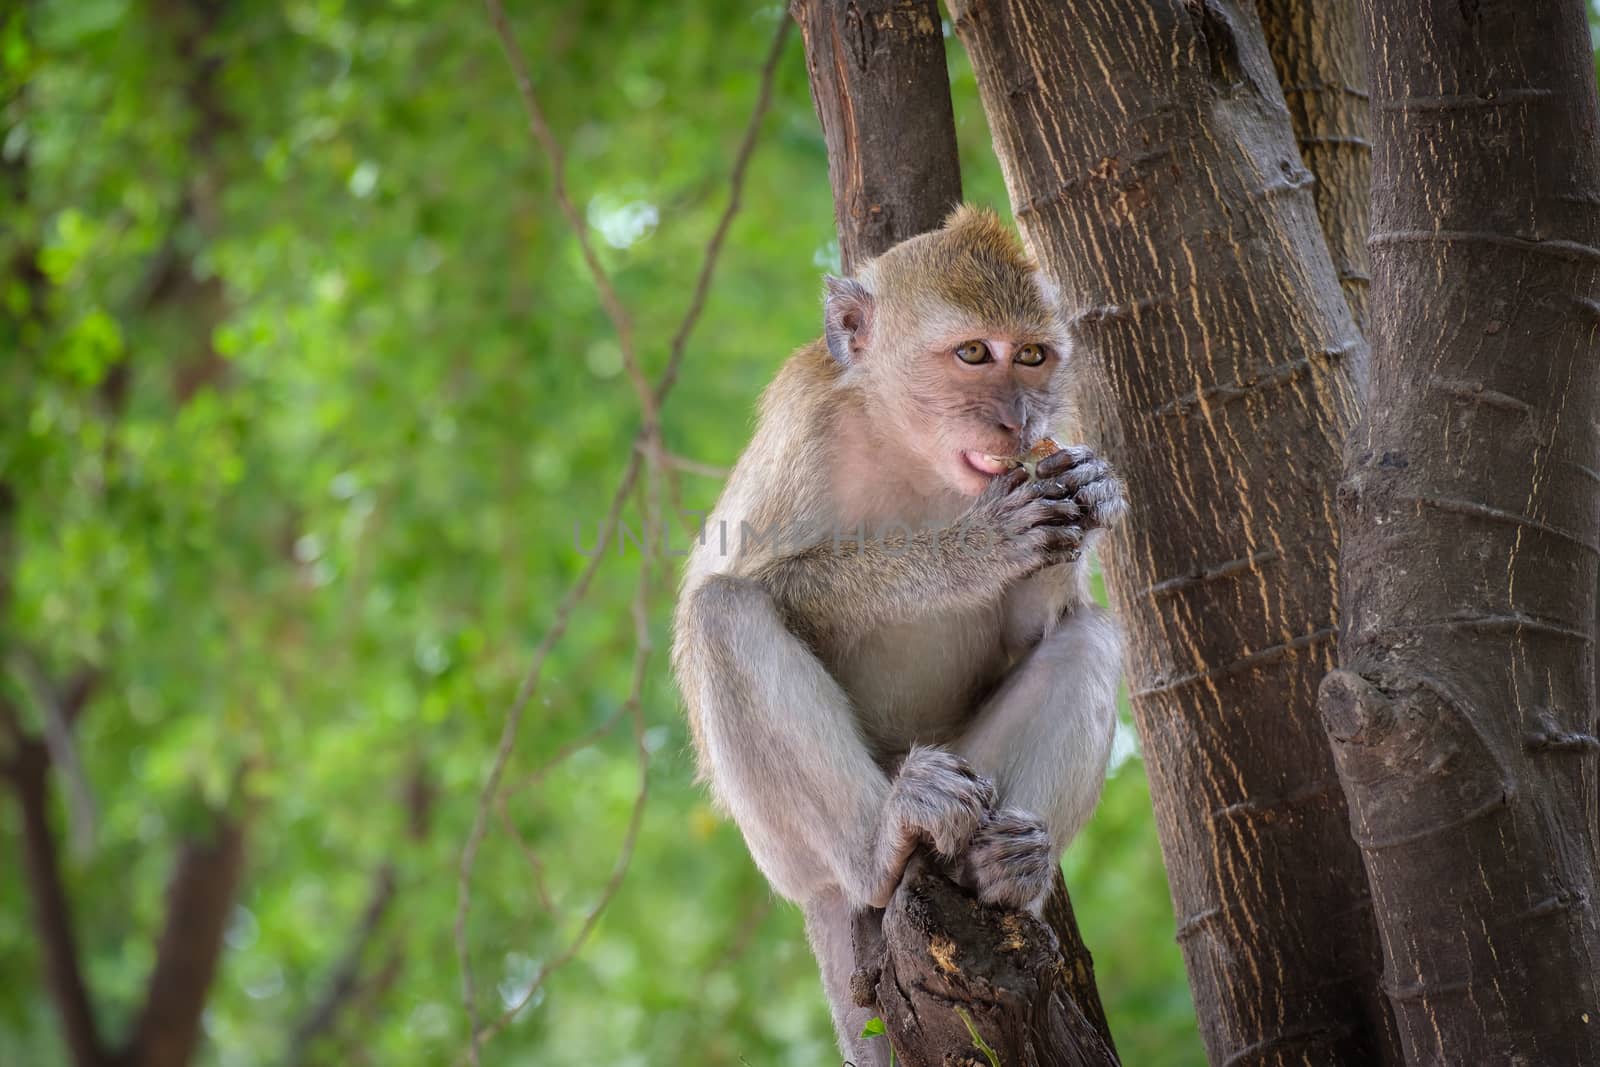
(1064, 511)
(1062, 544)
(1100, 491)
(1052, 488)
(1004, 484)
(1092, 470)
(1057, 462)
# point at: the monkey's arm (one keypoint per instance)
(842, 589)
(1044, 737)
(778, 739)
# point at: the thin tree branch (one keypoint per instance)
(345, 981)
(345, 987)
(59, 707)
(540, 128)
(694, 466)
(508, 737)
(635, 708)
(708, 261)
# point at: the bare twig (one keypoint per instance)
(635, 707)
(502, 803)
(546, 138)
(345, 982)
(346, 988)
(693, 466)
(59, 707)
(508, 734)
(708, 263)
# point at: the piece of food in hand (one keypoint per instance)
(1030, 460)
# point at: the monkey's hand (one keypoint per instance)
(1044, 520)
(1009, 862)
(1024, 524)
(1077, 472)
(935, 799)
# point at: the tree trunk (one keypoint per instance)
(1320, 53)
(1153, 169)
(1463, 720)
(882, 93)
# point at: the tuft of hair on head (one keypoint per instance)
(973, 267)
(976, 264)
(980, 229)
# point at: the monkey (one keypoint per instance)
(884, 637)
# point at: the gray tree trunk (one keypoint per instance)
(1463, 719)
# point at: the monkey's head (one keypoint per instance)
(955, 343)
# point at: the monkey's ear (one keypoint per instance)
(846, 317)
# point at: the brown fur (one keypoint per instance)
(974, 264)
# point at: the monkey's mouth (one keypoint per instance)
(984, 463)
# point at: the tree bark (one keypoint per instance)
(951, 976)
(1153, 169)
(1463, 718)
(1320, 53)
(882, 93)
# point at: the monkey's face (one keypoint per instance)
(959, 343)
(973, 398)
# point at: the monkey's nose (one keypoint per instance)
(1011, 418)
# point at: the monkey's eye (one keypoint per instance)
(974, 352)
(1029, 355)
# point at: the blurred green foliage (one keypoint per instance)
(318, 557)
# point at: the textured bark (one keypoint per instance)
(1153, 169)
(879, 83)
(952, 972)
(1320, 53)
(882, 93)
(1463, 720)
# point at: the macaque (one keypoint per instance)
(884, 637)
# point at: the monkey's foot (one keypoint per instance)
(938, 797)
(1009, 861)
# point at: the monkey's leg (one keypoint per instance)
(779, 741)
(828, 921)
(1043, 737)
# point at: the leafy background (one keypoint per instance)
(311, 413)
